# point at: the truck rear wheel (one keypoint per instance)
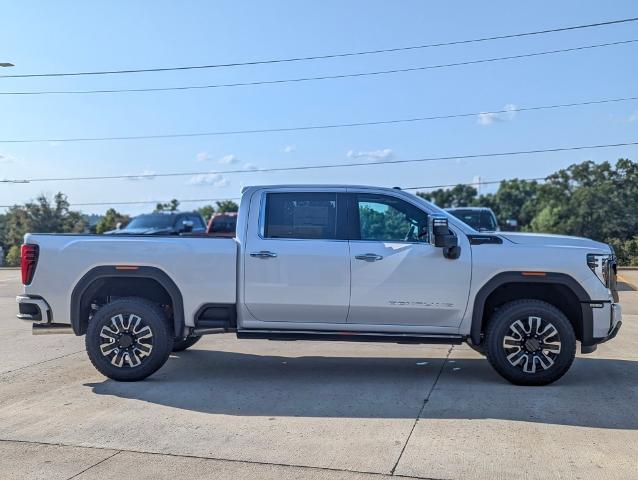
(530, 342)
(129, 339)
(181, 344)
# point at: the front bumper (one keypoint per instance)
(38, 311)
(607, 321)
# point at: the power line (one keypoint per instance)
(323, 77)
(322, 57)
(317, 167)
(196, 200)
(323, 127)
(488, 182)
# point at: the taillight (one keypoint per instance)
(28, 261)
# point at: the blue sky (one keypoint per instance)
(74, 36)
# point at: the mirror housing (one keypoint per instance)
(440, 236)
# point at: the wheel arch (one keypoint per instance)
(558, 289)
(99, 277)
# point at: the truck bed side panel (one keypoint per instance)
(204, 269)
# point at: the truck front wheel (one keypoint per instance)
(129, 339)
(530, 342)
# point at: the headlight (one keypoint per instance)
(603, 266)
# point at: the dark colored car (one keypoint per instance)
(481, 219)
(222, 224)
(163, 224)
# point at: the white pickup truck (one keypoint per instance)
(332, 263)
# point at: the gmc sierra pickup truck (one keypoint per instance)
(331, 263)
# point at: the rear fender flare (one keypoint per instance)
(111, 271)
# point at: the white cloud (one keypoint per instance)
(202, 157)
(207, 157)
(376, 155)
(214, 179)
(250, 167)
(633, 117)
(6, 159)
(145, 175)
(289, 148)
(509, 113)
(54, 144)
(228, 160)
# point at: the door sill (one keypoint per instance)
(347, 336)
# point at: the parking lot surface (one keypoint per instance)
(231, 409)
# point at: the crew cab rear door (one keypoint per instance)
(398, 278)
(296, 257)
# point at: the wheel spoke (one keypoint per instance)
(118, 323)
(509, 342)
(118, 358)
(530, 364)
(518, 329)
(534, 324)
(545, 360)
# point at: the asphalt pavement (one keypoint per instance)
(239, 409)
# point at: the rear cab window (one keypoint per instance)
(301, 215)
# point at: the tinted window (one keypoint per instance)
(198, 223)
(152, 221)
(389, 219)
(301, 215)
(481, 220)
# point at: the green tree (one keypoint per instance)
(458, 196)
(171, 206)
(40, 216)
(514, 200)
(110, 220)
(206, 211)
(226, 206)
(13, 256)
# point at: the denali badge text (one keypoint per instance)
(421, 304)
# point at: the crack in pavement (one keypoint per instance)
(199, 457)
(425, 401)
(95, 465)
(40, 363)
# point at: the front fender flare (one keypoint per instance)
(520, 277)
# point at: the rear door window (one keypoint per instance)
(302, 215)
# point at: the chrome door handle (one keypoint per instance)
(263, 254)
(369, 257)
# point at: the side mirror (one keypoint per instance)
(187, 226)
(440, 236)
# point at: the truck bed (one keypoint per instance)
(204, 268)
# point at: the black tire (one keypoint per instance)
(542, 354)
(140, 347)
(181, 344)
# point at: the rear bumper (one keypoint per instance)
(37, 310)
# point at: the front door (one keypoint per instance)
(296, 267)
(397, 277)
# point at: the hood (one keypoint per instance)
(545, 239)
(141, 231)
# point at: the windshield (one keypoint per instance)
(151, 221)
(481, 220)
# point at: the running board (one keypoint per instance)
(320, 335)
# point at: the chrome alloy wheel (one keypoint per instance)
(532, 342)
(126, 340)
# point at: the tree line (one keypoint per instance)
(55, 216)
(594, 200)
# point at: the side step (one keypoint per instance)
(320, 335)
